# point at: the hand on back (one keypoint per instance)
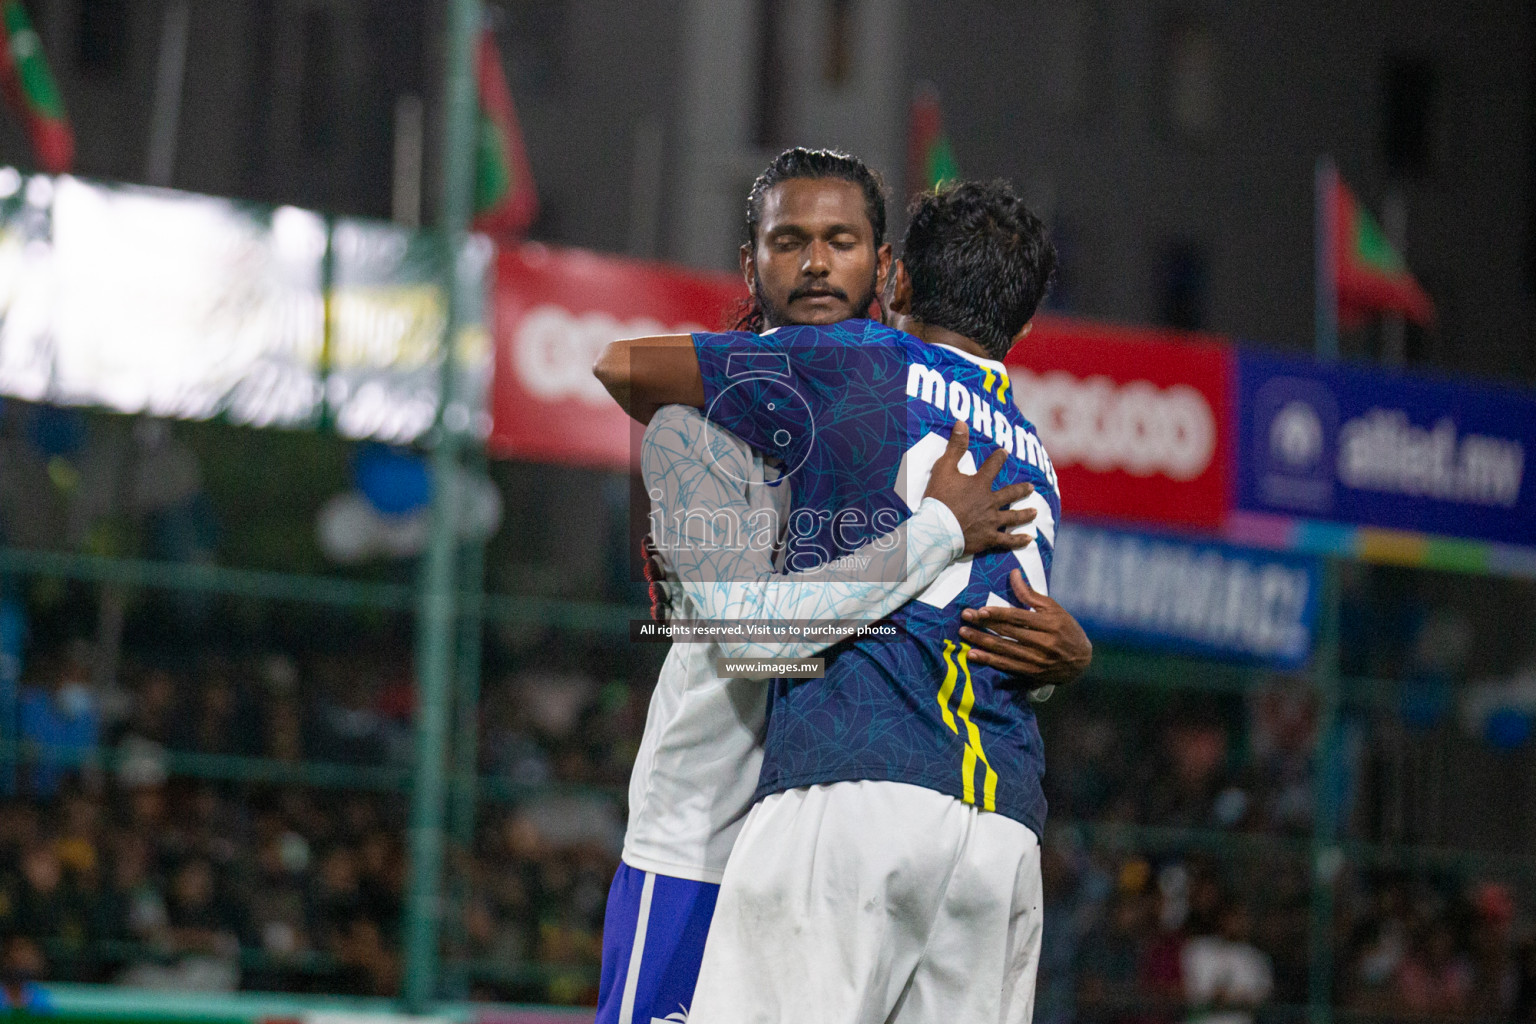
(984, 513)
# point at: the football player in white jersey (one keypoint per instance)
(697, 768)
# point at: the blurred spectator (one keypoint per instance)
(132, 907)
(220, 723)
(1380, 943)
(368, 967)
(19, 827)
(489, 937)
(154, 713)
(279, 904)
(1109, 982)
(1074, 890)
(1525, 985)
(199, 935)
(1161, 969)
(1225, 977)
(349, 728)
(1283, 720)
(1435, 979)
(382, 870)
(338, 896)
(79, 842)
(510, 748)
(396, 704)
(1495, 971)
(46, 904)
(1100, 757)
(284, 732)
(199, 921)
(62, 718)
(22, 966)
(1192, 775)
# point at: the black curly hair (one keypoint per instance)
(801, 162)
(979, 262)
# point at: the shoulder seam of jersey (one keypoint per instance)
(990, 364)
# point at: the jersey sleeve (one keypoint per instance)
(751, 387)
(769, 389)
(696, 486)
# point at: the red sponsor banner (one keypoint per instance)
(553, 311)
(1136, 421)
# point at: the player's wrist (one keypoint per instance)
(945, 520)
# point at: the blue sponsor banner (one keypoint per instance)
(1371, 448)
(1193, 597)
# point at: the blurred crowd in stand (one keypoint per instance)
(1179, 937)
(1206, 914)
(124, 859)
(136, 848)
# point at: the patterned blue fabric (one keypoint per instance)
(845, 408)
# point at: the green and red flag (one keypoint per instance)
(505, 200)
(1369, 276)
(930, 159)
(29, 88)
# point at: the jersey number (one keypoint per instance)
(912, 481)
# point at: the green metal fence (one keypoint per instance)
(451, 608)
(461, 791)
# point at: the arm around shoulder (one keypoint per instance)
(643, 374)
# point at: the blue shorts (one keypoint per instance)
(653, 941)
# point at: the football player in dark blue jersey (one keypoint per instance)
(937, 743)
(814, 252)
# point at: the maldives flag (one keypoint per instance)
(30, 90)
(505, 200)
(930, 160)
(1370, 278)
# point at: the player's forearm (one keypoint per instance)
(644, 374)
(723, 564)
(902, 564)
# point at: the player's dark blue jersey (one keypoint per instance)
(858, 413)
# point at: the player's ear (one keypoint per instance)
(882, 267)
(900, 290)
(748, 263)
(1022, 331)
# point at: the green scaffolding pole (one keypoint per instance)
(436, 612)
(466, 746)
(1326, 856)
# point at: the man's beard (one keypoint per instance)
(774, 316)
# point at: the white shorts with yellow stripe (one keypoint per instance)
(874, 903)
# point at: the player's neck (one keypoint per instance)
(942, 336)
